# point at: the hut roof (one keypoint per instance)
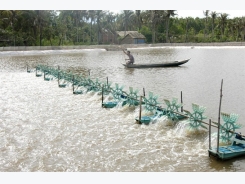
(133, 34)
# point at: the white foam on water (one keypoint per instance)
(47, 128)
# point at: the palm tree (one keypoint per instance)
(78, 16)
(127, 14)
(243, 28)
(42, 17)
(223, 22)
(99, 14)
(26, 29)
(231, 28)
(49, 29)
(91, 16)
(186, 29)
(63, 23)
(169, 13)
(138, 18)
(109, 24)
(11, 16)
(237, 25)
(213, 16)
(153, 17)
(206, 14)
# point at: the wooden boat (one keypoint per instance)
(155, 65)
(236, 149)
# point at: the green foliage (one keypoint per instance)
(79, 27)
(147, 33)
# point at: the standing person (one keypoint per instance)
(130, 57)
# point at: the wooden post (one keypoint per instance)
(58, 76)
(219, 116)
(144, 92)
(102, 94)
(209, 133)
(181, 101)
(73, 83)
(140, 109)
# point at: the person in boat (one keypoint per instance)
(130, 57)
(239, 136)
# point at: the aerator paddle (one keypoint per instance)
(228, 128)
(196, 117)
(172, 107)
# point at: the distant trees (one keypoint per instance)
(77, 27)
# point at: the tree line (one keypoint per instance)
(86, 27)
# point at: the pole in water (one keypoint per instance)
(181, 101)
(73, 83)
(219, 116)
(209, 133)
(58, 76)
(144, 91)
(102, 94)
(140, 109)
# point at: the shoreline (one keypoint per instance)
(119, 47)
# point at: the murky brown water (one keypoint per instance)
(47, 128)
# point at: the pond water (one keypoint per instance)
(47, 128)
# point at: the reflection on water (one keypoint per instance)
(47, 128)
